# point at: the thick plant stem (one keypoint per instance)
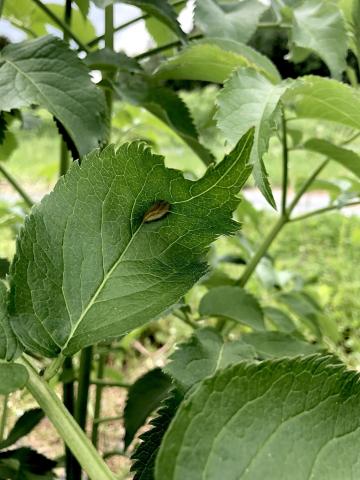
(4, 416)
(82, 397)
(68, 399)
(98, 397)
(16, 186)
(63, 26)
(66, 426)
(285, 164)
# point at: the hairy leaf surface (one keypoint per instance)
(90, 264)
(202, 355)
(46, 73)
(292, 419)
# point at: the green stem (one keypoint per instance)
(98, 396)
(2, 3)
(285, 163)
(279, 225)
(16, 186)
(61, 24)
(68, 399)
(4, 416)
(98, 420)
(114, 453)
(98, 39)
(66, 426)
(155, 51)
(108, 383)
(109, 43)
(82, 397)
(323, 210)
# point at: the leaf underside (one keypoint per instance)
(277, 420)
(88, 267)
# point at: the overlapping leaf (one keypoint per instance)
(282, 419)
(46, 73)
(319, 26)
(8, 343)
(237, 20)
(205, 353)
(213, 60)
(249, 99)
(89, 265)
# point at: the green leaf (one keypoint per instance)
(304, 307)
(144, 397)
(202, 355)
(233, 303)
(91, 251)
(213, 60)
(107, 59)
(249, 99)
(278, 344)
(236, 21)
(8, 342)
(160, 32)
(280, 319)
(12, 377)
(319, 26)
(83, 6)
(45, 72)
(292, 419)
(166, 105)
(35, 22)
(24, 425)
(325, 99)
(347, 158)
(145, 455)
(8, 146)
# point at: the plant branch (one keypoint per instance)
(66, 426)
(61, 24)
(109, 383)
(323, 210)
(99, 420)
(4, 414)
(98, 397)
(98, 39)
(16, 186)
(155, 51)
(285, 165)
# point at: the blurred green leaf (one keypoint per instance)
(233, 303)
(24, 425)
(144, 397)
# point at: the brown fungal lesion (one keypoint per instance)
(157, 211)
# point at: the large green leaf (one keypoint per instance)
(45, 72)
(249, 99)
(92, 262)
(347, 158)
(288, 419)
(237, 20)
(144, 397)
(319, 26)
(213, 60)
(8, 343)
(204, 354)
(325, 99)
(233, 303)
(12, 377)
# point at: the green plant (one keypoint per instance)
(121, 240)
